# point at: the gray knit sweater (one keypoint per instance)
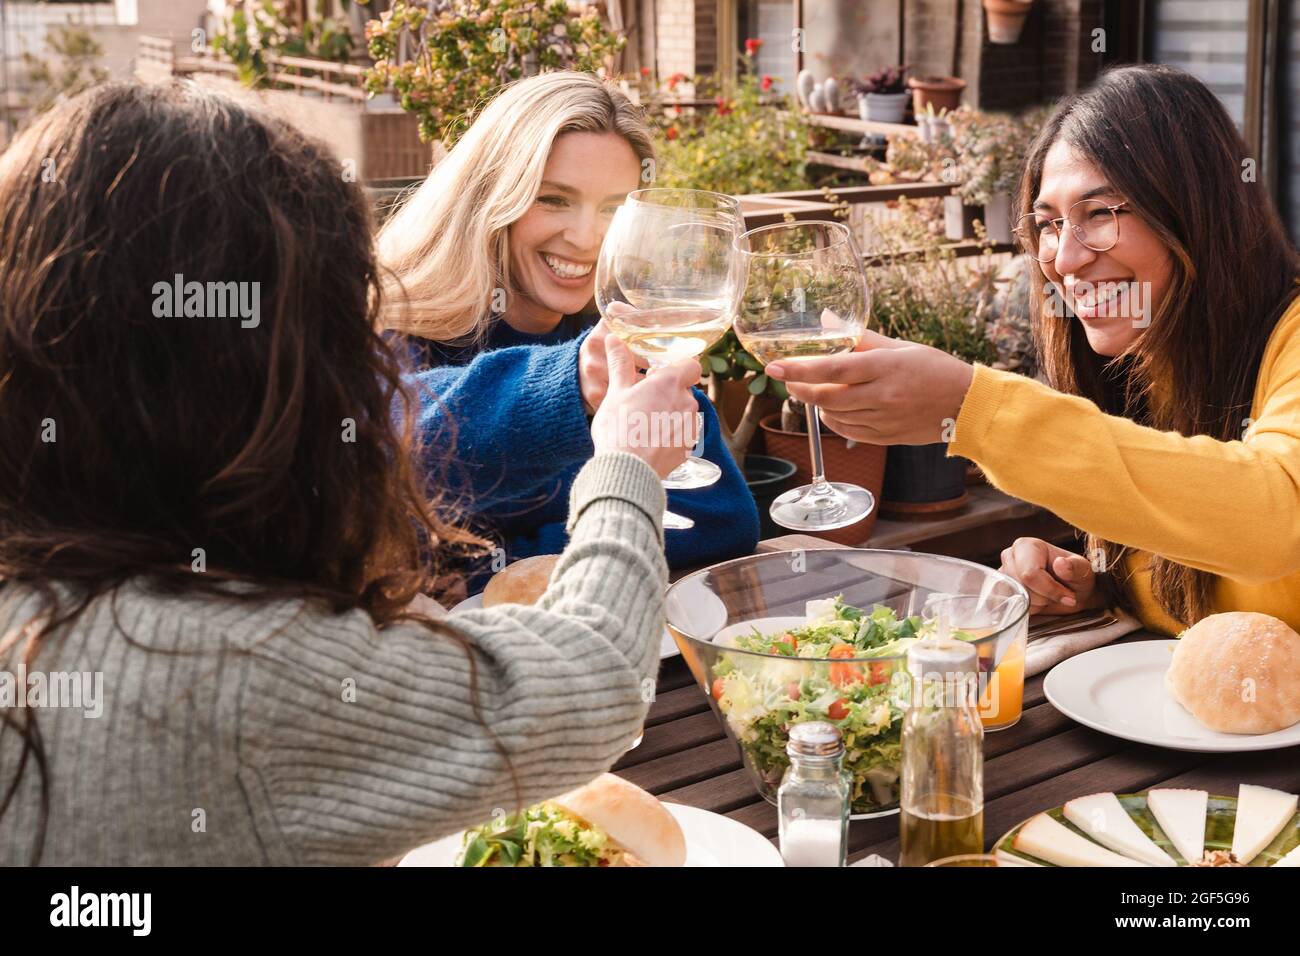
(280, 733)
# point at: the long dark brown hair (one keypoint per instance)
(128, 440)
(1167, 145)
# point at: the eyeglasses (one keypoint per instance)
(1093, 223)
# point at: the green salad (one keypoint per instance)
(762, 696)
(541, 835)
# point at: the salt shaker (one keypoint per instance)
(813, 801)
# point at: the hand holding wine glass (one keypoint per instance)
(871, 394)
(633, 398)
(666, 284)
(804, 293)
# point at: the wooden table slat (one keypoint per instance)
(1036, 724)
(727, 791)
(666, 739)
(687, 766)
(675, 704)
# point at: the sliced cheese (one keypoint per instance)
(1291, 859)
(1103, 818)
(1262, 812)
(1181, 814)
(1056, 843)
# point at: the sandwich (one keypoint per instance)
(608, 822)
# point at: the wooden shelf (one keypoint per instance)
(852, 124)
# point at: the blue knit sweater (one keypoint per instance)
(512, 410)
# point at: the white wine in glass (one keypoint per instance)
(664, 335)
(804, 293)
(667, 279)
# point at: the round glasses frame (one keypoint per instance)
(1028, 230)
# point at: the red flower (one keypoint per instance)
(752, 45)
(675, 79)
(671, 132)
(723, 107)
(766, 83)
(645, 71)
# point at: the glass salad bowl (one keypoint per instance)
(776, 639)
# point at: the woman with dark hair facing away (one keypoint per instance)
(1169, 329)
(206, 502)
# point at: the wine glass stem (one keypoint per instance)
(819, 484)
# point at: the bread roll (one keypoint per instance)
(632, 818)
(523, 582)
(1238, 673)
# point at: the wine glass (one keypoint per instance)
(805, 293)
(667, 279)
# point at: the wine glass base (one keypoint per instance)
(802, 509)
(693, 473)
(676, 522)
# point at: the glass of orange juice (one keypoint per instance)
(1001, 661)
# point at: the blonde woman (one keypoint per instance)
(493, 261)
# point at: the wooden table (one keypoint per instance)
(1039, 763)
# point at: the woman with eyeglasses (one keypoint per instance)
(1169, 332)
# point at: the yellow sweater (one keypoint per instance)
(1231, 508)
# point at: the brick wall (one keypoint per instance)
(675, 37)
(1053, 57)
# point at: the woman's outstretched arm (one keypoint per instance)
(427, 743)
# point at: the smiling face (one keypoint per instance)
(1096, 285)
(553, 246)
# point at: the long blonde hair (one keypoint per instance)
(446, 249)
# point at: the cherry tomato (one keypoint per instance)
(717, 689)
(838, 710)
(792, 690)
(788, 639)
(842, 675)
(879, 674)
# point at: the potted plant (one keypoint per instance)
(251, 31)
(922, 292)
(990, 148)
(754, 141)
(742, 394)
(443, 63)
(1006, 19)
(882, 96)
(933, 126)
(943, 92)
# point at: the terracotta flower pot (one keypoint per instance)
(1006, 19)
(942, 91)
(862, 465)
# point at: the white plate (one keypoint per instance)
(711, 840)
(1119, 689)
(667, 646)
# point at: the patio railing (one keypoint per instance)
(381, 140)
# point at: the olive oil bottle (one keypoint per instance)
(941, 803)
